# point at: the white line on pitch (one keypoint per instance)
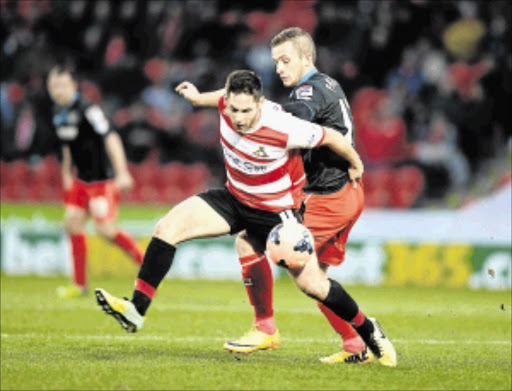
(241, 308)
(214, 339)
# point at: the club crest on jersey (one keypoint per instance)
(304, 92)
(73, 117)
(260, 152)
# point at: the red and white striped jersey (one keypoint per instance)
(263, 165)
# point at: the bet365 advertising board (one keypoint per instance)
(469, 247)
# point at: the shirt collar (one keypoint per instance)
(307, 75)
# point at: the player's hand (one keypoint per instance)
(355, 174)
(124, 181)
(188, 91)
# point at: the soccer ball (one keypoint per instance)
(290, 245)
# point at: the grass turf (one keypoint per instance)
(445, 339)
(55, 212)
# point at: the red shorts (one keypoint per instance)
(330, 217)
(99, 198)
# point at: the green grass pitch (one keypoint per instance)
(445, 339)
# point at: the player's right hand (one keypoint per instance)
(124, 181)
(188, 91)
(355, 174)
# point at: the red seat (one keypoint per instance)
(407, 187)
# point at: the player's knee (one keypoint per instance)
(106, 230)
(73, 225)
(166, 229)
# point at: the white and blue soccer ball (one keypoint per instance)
(290, 245)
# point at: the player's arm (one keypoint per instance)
(341, 146)
(115, 150)
(306, 135)
(67, 168)
(192, 94)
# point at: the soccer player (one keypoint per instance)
(332, 206)
(89, 144)
(265, 179)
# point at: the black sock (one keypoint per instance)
(340, 302)
(157, 262)
(365, 330)
(343, 305)
(141, 302)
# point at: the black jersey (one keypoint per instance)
(320, 99)
(83, 127)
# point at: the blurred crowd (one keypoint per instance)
(429, 84)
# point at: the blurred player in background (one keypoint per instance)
(332, 206)
(89, 144)
(265, 180)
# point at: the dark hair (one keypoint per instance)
(59, 70)
(244, 82)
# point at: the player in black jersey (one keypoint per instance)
(89, 144)
(332, 205)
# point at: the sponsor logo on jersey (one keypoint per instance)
(243, 165)
(67, 133)
(304, 92)
(260, 152)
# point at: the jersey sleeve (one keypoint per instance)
(299, 109)
(303, 134)
(97, 119)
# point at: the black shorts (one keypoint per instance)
(258, 223)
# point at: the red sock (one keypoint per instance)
(352, 342)
(129, 245)
(259, 285)
(79, 253)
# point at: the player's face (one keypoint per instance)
(243, 110)
(290, 63)
(62, 89)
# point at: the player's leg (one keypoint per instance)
(258, 281)
(330, 218)
(192, 218)
(75, 216)
(104, 207)
(314, 282)
(353, 348)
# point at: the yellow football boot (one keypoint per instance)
(254, 340)
(361, 358)
(71, 291)
(381, 346)
(122, 310)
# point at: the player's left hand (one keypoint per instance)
(355, 174)
(188, 91)
(124, 181)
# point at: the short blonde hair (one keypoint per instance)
(300, 38)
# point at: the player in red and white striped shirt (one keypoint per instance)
(263, 164)
(264, 186)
